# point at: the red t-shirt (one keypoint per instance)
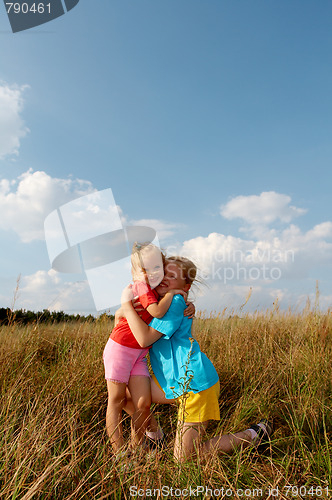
(121, 333)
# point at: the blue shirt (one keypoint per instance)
(176, 358)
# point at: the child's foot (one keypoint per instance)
(261, 434)
(156, 440)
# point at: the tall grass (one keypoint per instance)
(53, 443)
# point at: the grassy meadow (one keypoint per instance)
(272, 364)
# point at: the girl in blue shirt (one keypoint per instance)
(182, 373)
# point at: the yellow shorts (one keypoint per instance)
(199, 406)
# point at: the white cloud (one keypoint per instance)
(322, 230)
(289, 255)
(164, 229)
(52, 290)
(25, 202)
(262, 210)
(12, 127)
(313, 246)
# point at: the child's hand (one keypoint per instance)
(127, 295)
(177, 291)
(137, 305)
(189, 310)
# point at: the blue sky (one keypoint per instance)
(203, 117)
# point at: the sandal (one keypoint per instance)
(263, 438)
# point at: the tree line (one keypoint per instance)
(22, 316)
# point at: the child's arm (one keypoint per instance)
(144, 334)
(158, 310)
(137, 306)
(189, 310)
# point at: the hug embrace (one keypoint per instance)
(159, 323)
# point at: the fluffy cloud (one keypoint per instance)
(218, 255)
(274, 264)
(164, 229)
(291, 254)
(261, 210)
(51, 290)
(12, 128)
(25, 202)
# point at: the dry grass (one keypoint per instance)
(53, 403)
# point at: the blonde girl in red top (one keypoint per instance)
(124, 359)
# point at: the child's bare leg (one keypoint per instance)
(140, 390)
(227, 443)
(188, 439)
(189, 436)
(130, 409)
(115, 405)
(158, 396)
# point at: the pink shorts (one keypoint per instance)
(123, 362)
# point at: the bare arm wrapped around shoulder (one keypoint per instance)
(144, 334)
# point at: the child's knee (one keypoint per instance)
(187, 440)
(143, 404)
(116, 400)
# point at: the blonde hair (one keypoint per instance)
(136, 255)
(188, 268)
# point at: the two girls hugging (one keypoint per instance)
(160, 324)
